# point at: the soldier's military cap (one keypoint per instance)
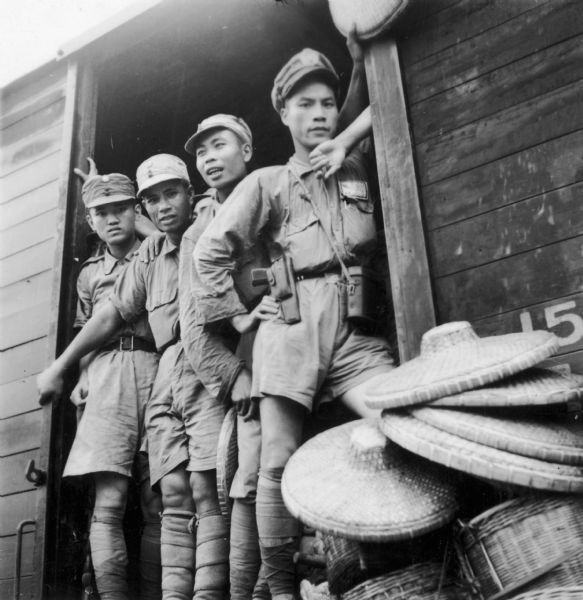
(158, 168)
(300, 65)
(219, 121)
(106, 189)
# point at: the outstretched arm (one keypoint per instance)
(357, 94)
(98, 330)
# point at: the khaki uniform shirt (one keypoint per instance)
(210, 348)
(153, 288)
(272, 206)
(94, 286)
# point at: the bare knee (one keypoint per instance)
(276, 452)
(281, 430)
(204, 490)
(354, 398)
(111, 490)
(175, 487)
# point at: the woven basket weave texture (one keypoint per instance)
(556, 439)
(570, 593)
(532, 387)
(511, 541)
(420, 582)
(349, 481)
(483, 461)
(454, 359)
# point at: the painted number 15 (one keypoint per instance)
(555, 315)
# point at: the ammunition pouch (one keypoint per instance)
(365, 296)
(282, 286)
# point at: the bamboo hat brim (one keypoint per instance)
(470, 457)
(553, 439)
(227, 462)
(349, 481)
(533, 387)
(370, 18)
(454, 359)
(422, 581)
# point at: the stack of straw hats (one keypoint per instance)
(474, 404)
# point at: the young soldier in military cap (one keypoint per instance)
(118, 378)
(223, 147)
(152, 289)
(315, 231)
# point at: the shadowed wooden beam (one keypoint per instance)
(407, 255)
(78, 143)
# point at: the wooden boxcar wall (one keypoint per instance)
(495, 96)
(31, 138)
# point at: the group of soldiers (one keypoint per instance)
(172, 331)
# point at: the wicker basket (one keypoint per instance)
(343, 565)
(525, 544)
(349, 562)
(571, 593)
(424, 581)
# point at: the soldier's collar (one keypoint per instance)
(167, 246)
(109, 261)
(299, 166)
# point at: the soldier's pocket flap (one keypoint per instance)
(161, 297)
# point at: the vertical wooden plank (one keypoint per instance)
(411, 285)
(78, 140)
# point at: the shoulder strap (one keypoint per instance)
(307, 196)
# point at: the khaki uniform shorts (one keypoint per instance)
(323, 350)
(183, 420)
(111, 429)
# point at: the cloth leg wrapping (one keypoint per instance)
(278, 534)
(108, 553)
(150, 562)
(177, 550)
(212, 557)
(261, 590)
(244, 558)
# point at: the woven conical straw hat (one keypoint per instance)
(554, 439)
(227, 461)
(349, 481)
(454, 359)
(477, 459)
(370, 18)
(533, 387)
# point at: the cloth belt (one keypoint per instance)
(129, 343)
(316, 274)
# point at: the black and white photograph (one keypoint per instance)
(291, 300)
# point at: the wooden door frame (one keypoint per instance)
(405, 239)
(78, 143)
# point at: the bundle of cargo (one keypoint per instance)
(481, 415)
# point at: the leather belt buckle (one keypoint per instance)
(126, 343)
